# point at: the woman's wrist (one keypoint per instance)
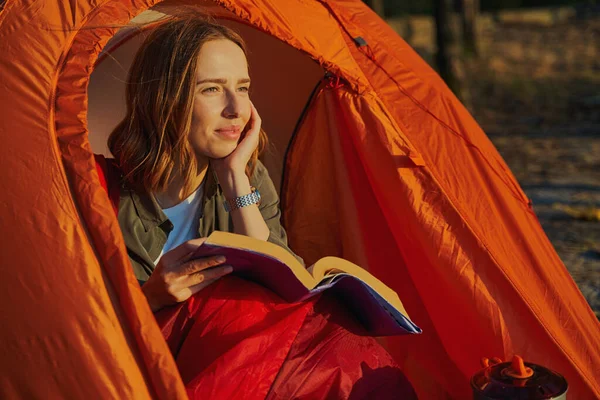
(234, 183)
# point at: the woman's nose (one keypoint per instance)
(233, 107)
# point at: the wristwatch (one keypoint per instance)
(243, 201)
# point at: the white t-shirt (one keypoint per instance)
(184, 217)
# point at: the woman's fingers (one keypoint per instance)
(257, 117)
(194, 266)
(253, 131)
(182, 252)
(178, 290)
(175, 274)
(256, 122)
(206, 278)
(209, 275)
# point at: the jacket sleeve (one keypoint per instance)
(269, 207)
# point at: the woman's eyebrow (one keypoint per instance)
(222, 81)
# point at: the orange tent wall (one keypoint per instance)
(423, 200)
(75, 323)
(486, 276)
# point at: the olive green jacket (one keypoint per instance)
(145, 226)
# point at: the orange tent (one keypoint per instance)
(385, 168)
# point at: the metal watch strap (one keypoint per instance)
(242, 201)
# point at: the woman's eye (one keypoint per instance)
(244, 89)
(213, 89)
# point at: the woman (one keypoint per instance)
(186, 115)
(187, 152)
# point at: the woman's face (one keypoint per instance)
(221, 103)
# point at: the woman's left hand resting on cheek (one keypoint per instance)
(231, 172)
(235, 163)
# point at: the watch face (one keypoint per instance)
(257, 197)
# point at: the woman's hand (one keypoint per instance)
(235, 163)
(176, 278)
(231, 172)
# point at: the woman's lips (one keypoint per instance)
(230, 132)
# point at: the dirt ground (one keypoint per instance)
(537, 96)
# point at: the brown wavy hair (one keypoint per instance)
(151, 144)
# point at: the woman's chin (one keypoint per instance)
(220, 153)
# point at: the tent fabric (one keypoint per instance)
(489, 259)
(76, 324)
(412, 189)
(475, 253)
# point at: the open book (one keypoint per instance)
(376, 306)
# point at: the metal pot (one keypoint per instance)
(518, 380)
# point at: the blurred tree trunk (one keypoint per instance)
(469, 10)
(377, 6)
(449, 54)
(447, 45)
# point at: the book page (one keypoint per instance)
(235, 241)
(333, 265)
